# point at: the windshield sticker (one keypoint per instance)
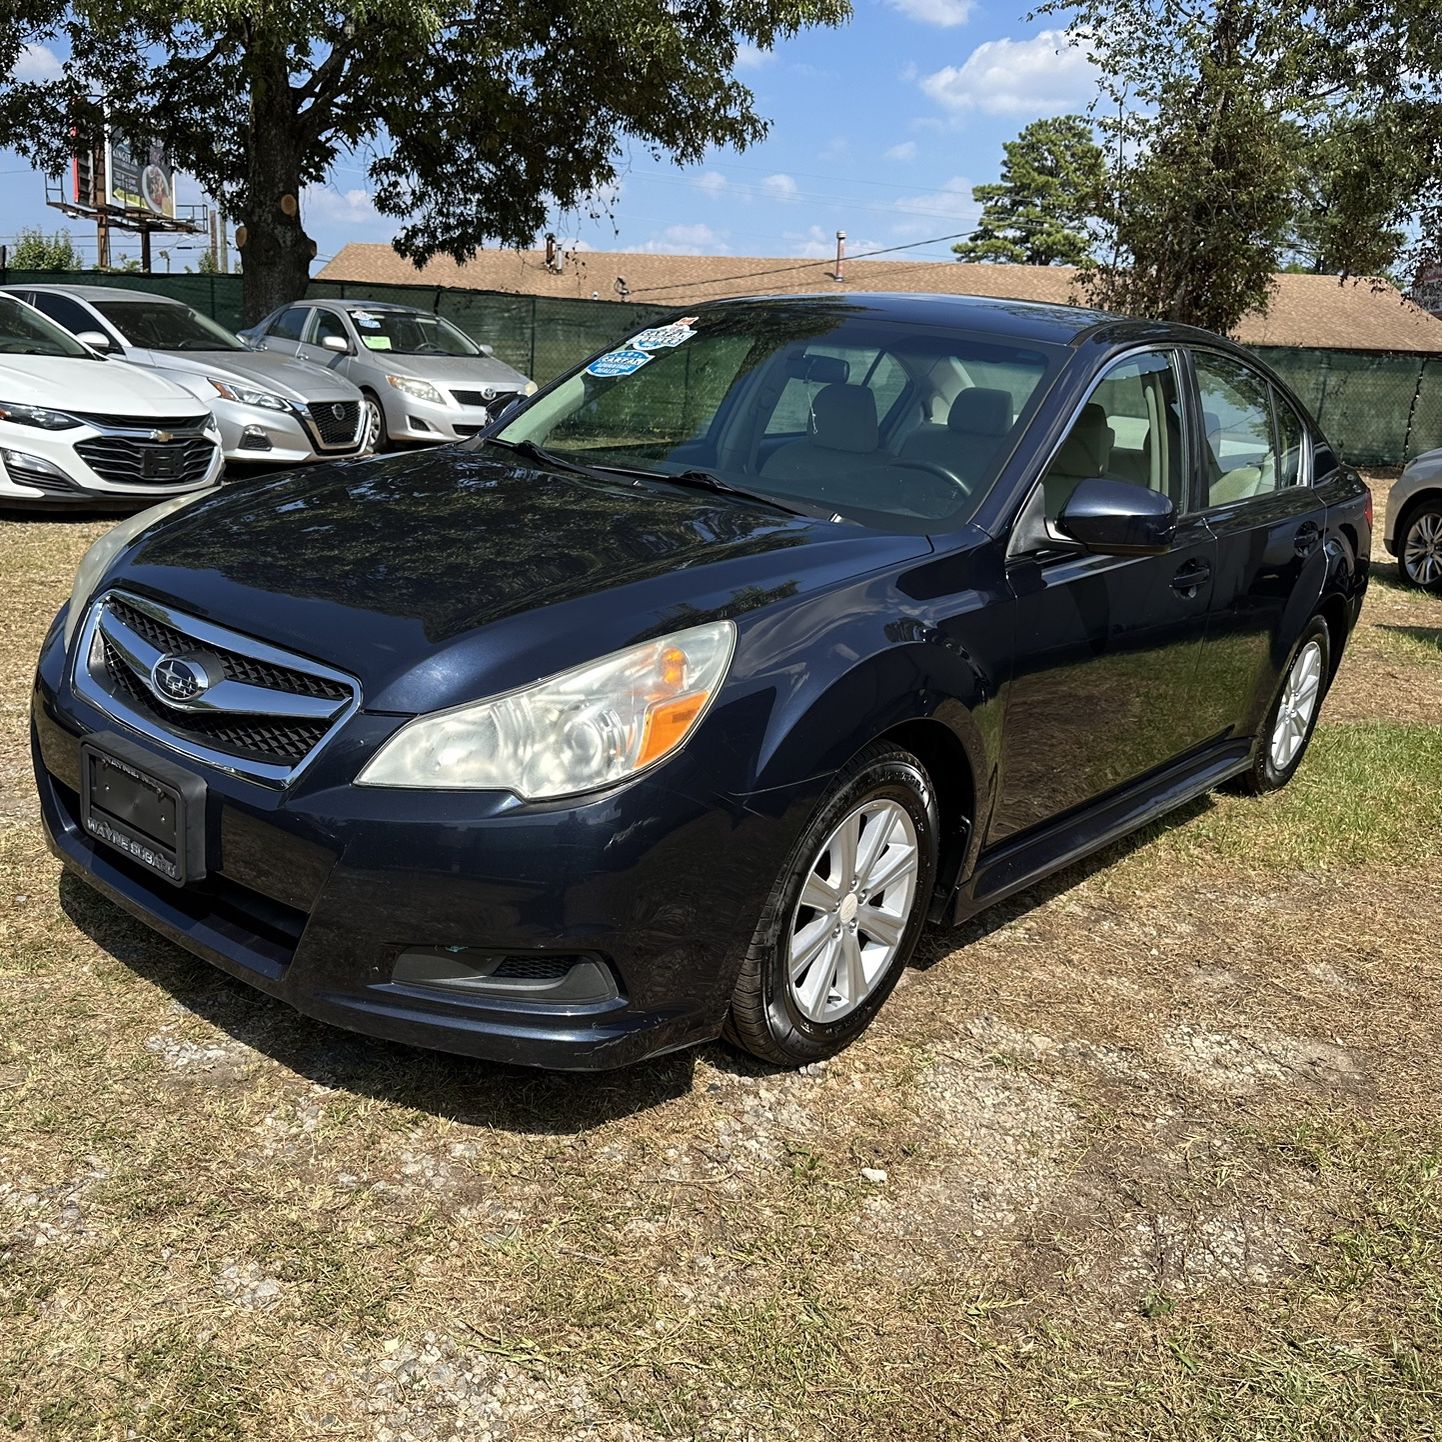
(364, 317)
(376, 342)
(618, 363)
(660, 337)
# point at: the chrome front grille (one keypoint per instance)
(336, 423)
(263, 713)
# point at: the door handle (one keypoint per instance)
(1309, 534)
(1191, 578)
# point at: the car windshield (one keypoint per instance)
(24, 331)
(411, 332)
(163, 325)
(823, 406)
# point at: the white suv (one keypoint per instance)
(78, 429)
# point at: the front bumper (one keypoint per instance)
(257, 434)
(54, 473)
(409, 419)
(313, 892)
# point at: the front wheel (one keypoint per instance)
(1293, 714)
(844, 916)
(376, 437)
(1419, 557)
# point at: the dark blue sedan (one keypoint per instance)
(679, 703)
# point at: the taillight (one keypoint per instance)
(1367, 505)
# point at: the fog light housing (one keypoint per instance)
(28, 470)
(254, 438)
(571, 978)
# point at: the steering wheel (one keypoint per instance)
(430, 348)
(933, 502)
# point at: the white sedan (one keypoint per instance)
(79, 430)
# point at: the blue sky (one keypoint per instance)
(880, 129)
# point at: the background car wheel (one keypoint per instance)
(376, 437)
(1293, 714)
(1419, 553)
(844, 916)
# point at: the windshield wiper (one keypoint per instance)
(532, 452)
(703, 480)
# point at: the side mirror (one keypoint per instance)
(1116, 518)
(336, 343)
(485, 350)
(96, 340)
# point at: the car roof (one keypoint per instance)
(1020, 320)
(354, 305)
(99, 292)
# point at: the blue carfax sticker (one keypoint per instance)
(618, 363)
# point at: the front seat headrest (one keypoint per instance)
(843, 418)
(980, 412)
(1087, 450)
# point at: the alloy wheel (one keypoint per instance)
(1297, 706)
(375, 426)
(854, 909)
(1422, 550)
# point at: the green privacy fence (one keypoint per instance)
(1377, 409)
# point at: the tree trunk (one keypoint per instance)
(277, 254)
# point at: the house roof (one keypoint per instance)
(1314, 311)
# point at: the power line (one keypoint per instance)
(802, 265)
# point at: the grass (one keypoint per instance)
(1161, 1151)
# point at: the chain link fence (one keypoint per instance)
(1378, 410)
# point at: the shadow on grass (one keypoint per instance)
(464, 1089)
(1427, 637)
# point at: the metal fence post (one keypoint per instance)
(531, 369)
(1412, 413)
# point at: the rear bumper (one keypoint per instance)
(313, 893)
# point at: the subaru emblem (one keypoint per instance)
(178, 678)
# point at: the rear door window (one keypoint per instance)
(289, 324)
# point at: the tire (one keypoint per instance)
(1279, 750)
(866, 939)
(378, 438)
(1419, 546)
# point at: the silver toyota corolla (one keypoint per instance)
(423, 379)
(271, 408)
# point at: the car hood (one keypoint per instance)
(101, 387)
(295, 380)
(440, 577)
(452, 370)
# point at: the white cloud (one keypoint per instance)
(901, 153)
(935, 12)
(711, 182)
(37, 62)
(948, 208)
(752, 57)
(780, 187)
(341, 207)
(1042, 75)
(687, 240)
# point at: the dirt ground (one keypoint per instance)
(1151, 1151)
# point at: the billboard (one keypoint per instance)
(138, 177)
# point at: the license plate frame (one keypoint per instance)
(144, 808)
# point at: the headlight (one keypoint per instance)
(246, 396)
(530, 388)
(583, 729)
(421, 390)
(96, 561)
(47, 420)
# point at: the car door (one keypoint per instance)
(1270, 527)
(283, 333)
(325, 323)
(78, 319)
(1106, 650)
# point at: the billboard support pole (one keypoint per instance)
(145, 250)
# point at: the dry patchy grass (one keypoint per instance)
(1159, 1139)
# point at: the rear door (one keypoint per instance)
(1270, 528)
(1103, 689)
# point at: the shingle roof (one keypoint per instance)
(1317, 311)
